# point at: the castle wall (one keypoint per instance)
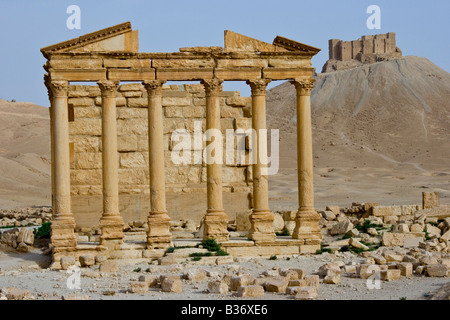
(185, 184)
(370, 44)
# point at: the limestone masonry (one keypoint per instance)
(367, 49)
(183, 108)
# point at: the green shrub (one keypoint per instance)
(44, 231)
(285, 232)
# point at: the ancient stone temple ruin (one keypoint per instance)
(112, 147)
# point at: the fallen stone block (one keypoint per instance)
(312, 281)
(250, 291)
(393, 239)
(356, 244)
(390, 274)
(332, 279)
(241, 281)
(172, 285)
(67, 261)
(291, 274)
(26, 236)
(382, 211)
(392, 257)
(306, 293)
(332, 267)
(138, 287)
(22, 247)
(150, 281)
(329, 215)
(341, 228)
(406, 269)
(87, 260)
(167, 260)
(195, 275)
(297, 283)
(217, 286)
(12, 293)
(109, 266)
(436, 270)
(293, 290)
(276, 285)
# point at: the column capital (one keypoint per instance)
(108, 88)
(304, 86)
(58, 88)
(213, 87)
(258, 86)
(154, 87)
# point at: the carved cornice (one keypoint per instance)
(58, 88)
(154, 87)
(213, 87)
(108, 88)
(304, 86)
(258, 86)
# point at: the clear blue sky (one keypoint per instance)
(422, 29)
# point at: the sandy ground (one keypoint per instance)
(46, 284)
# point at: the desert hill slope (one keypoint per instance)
(381, 132)
(24, 155)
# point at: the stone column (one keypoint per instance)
(159, 235)
(63, 223)
(215, 221)
(111, 222)
(52, 144)
(261, 219)
(307, 220)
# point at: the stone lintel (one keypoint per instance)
(78, 74)
(286, 73)
(185, 74)
(237, 74)
(131, 74)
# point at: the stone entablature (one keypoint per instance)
(367, 49)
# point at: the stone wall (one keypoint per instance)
(185, 184)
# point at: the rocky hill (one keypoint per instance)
(24, 155)
(374, 127)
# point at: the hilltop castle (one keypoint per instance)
(367, 49)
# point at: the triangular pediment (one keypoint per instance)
(116, 38)
(235, 42)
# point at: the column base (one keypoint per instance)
(216, 226)
(261, 226)
(159, 235)
(63, 235)
(112, 230)
(307, 225)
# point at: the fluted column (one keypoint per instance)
(63, 223)
(216, 221)
(111, 222)
(158, 235)
(261, 219)
(307, 220)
